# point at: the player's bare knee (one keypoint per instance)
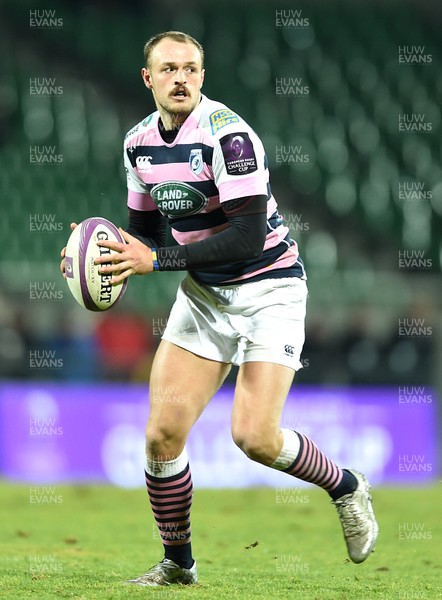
(259, 448)
(163, 444)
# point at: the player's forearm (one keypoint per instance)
(243, 240)
(148, 226)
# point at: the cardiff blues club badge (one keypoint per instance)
(196, 161)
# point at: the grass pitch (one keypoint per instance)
(84, 542)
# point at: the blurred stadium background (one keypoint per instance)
(346, 97)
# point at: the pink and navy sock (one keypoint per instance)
(301, 458)
(169, 486)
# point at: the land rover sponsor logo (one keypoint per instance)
(177, 199)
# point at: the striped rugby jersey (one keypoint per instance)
(216, 156)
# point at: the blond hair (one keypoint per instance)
(177, 36)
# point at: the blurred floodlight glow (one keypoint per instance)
(375, 197)
(333, 155)
(436, 199)
(364, 135)
(417, 225)
(105, 134)
(341, 194)
(368, 78)
(359, 279)
(321, 251)
(383, 167)
(329, 128)
(74, 142)
(300, 39)
(330, 80)
(41, 405)
(416, 153)
(38, 123)
(254, 72)
(429, 110)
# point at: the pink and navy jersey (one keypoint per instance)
(215, 157)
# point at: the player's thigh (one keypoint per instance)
(260, 394)
(181, 385)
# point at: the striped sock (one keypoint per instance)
(169, 485)
(301, 458)
(313, 466)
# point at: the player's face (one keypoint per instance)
(175, 77)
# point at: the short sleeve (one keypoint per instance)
(239, 163)
(138, 197)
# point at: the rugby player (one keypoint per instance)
(197, 165)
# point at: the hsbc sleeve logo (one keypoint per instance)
(143, 164)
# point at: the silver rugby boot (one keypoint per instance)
(357, 518)
(167, 572)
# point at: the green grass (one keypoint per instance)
(97, 537)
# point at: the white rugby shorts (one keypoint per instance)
(258, 321)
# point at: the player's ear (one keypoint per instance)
(145, 75)
(203, 72)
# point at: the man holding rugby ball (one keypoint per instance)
(198, 166)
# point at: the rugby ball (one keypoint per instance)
(90, 288)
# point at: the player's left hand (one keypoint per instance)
(131, 258)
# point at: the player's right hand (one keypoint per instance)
(63, 254)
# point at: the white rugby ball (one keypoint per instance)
(90, 288)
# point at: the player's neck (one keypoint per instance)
(168, 135)
(169, 122)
